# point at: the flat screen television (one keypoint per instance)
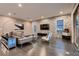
(44, 27)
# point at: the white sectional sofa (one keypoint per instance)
(25, 39)
(21, 38)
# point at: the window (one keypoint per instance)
(60, 25)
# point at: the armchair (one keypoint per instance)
(48, 37)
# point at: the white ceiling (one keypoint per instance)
(35, 10)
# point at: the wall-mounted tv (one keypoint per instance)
(44, 27)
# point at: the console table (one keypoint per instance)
(66, 36)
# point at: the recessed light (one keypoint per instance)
(61, 12)
(42, 17)
(30, 19)
(9, 14)
(19, 5)
(67, 53)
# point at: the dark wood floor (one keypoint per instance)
(56, 47)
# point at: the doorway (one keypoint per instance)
(76, 26)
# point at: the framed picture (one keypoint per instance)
(20, 26)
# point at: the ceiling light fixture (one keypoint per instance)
(19, 5)
(42, 17)
(9, 14)
(30, 19)
(61, 12)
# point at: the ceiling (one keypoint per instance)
(34, 11)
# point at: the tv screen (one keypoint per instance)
(44, 27)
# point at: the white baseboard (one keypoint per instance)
(77, 46)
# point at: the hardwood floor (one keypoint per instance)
(56, 47)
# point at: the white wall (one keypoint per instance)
(53, 23)
(27, 28)
(7, 24)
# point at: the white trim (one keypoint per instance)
(72, 25)
(76, 45)
(74, 9)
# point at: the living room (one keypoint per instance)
(34, 34)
